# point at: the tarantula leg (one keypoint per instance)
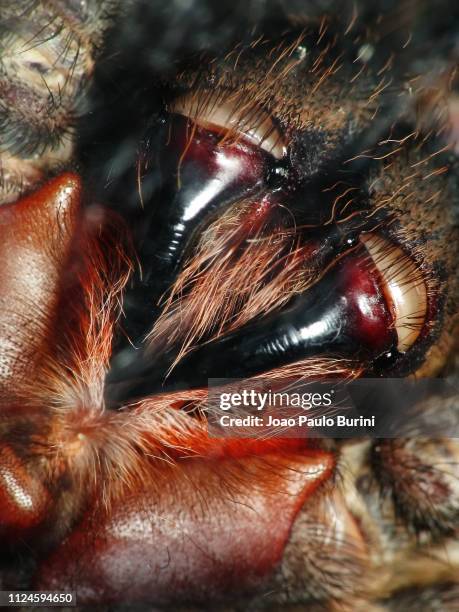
(24, 499)
(35, 233)
(419, 472)
(195, 531)
(47, 55)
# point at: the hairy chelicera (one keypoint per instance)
(191, 192)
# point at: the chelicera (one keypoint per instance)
(278, 201)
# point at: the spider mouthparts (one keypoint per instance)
(345, 314)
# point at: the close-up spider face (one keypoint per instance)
(266, 193)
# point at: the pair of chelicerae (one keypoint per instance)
(193, 193)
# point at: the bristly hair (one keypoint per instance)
(103, 451)
(213, 294)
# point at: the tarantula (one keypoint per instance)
(192, 192)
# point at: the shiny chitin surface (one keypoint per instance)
(191, 190)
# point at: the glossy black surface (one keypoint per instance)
(344, 313)
(186, 177)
